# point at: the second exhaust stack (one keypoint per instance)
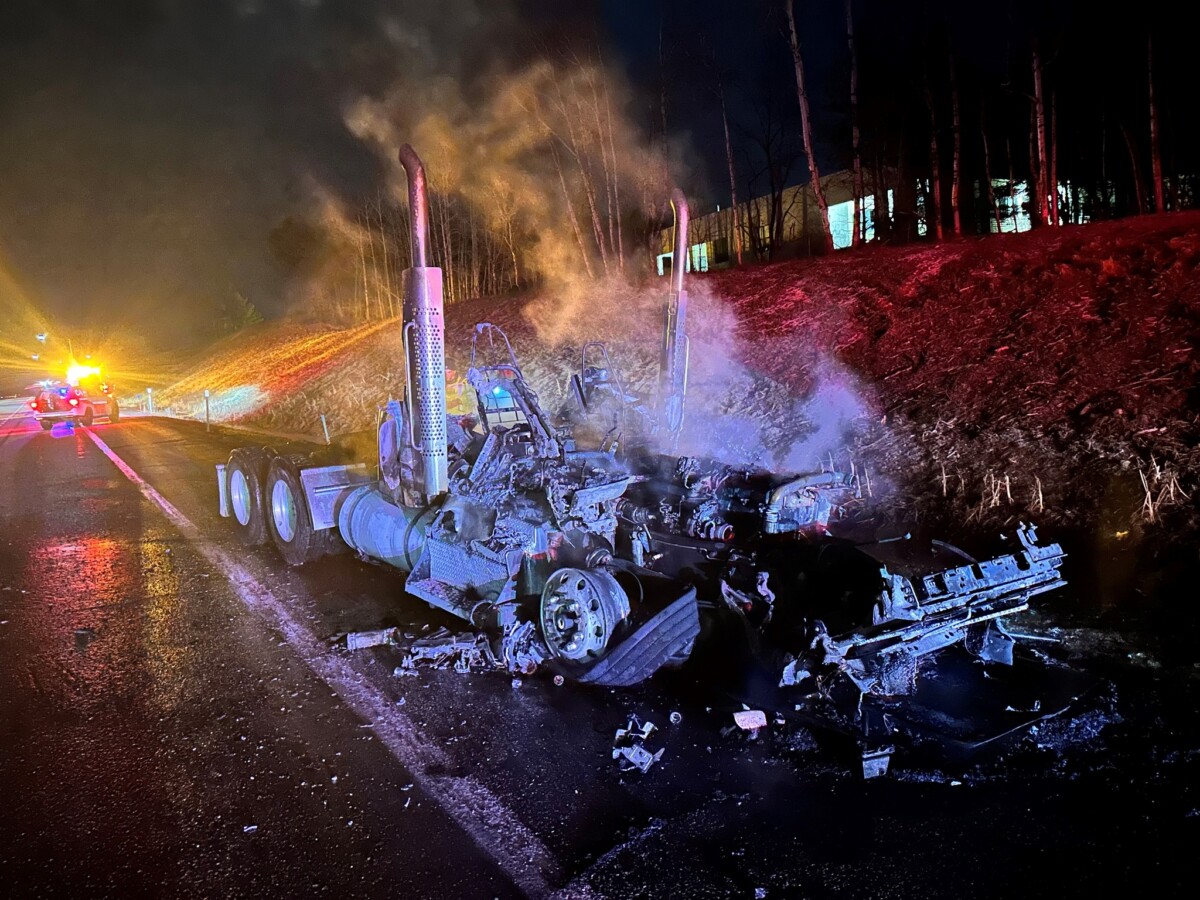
(673, 361)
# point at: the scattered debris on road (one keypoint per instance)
(83, 637)
(465, 652)
(629, 746)
(750, 719)
(358, 640)
(875, 761)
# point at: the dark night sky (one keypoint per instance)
(148, 147)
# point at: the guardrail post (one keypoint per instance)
(207, 426)
(150, 400)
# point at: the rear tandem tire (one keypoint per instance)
(114, 411)
(288, 517)
(245, 475)
(46, 424)
(89, 416)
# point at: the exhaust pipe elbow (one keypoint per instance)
(679, 258)
(418, 204)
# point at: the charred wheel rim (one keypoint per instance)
(581, 609)
(239, 496)
(283, 510)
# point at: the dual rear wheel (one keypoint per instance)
(266, 500)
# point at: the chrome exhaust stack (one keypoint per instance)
(673, 361)
(425, 350)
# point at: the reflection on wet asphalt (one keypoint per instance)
(157, 737)
(156, 741)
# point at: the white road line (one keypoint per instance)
(480, 813)
(20, 410)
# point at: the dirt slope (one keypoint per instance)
(1050, 375)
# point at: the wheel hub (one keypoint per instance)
(580, 611)
(239, 496)
(283, 510)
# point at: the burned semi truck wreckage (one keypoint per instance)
(573, 546)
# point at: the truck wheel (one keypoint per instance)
(245, 474)
(114, 411)
(581, 612)
(89, 416)
(46, 424)
(287, 514)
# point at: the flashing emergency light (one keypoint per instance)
(77, 372)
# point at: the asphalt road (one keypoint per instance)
(177, 719)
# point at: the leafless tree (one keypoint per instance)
(1039, 111)
(814, 171)
(713, 71)
(1138, 191)
(734, 209)
(859, 190)
(1037, 194)
(1156, 168)
(935, 169)
(570, 208)
(1012, 183)
(773, 160)
(987, 168)
(1055, 219)
(956, 165)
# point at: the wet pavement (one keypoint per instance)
(176, 718)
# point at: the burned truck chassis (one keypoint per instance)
(599, 562)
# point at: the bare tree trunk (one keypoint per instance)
(375, 266)
(859, 190)
(883, 215)
(1055, 219)
(814, 171)
(512, 250)
(1137, 173)
(387, 274)
(1156, 169)
(362, 264)
(448, 251)
(451, 263)
(1036, 193)
(987, 168)
(1012, 183)
(752, 230)
(562, 180)
(1104, 166)
(473, 287)
(955, 168)
(608, 173)
(935, 165)
(589, 190)
(1039, 108)
(612, 149)
(737, 224)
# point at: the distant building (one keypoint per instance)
(790, 224)
(783, 225)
